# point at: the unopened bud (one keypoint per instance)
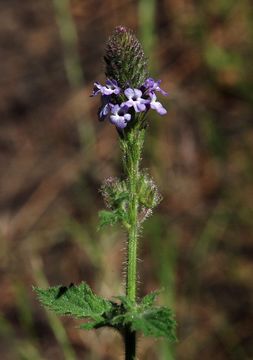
(125, 59)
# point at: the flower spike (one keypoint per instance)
(128, 93)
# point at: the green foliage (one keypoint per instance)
(75, 300)
(110, 218)
(117, 200)
(149, 299)
(148, 193)
(116, 193)
(80, 302)
(156, 321)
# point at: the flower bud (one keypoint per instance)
(149, 195)
(115, 193)
(125, 60)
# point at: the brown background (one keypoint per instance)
(54, 155)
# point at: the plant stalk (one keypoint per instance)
(130, 344)
(132, 147)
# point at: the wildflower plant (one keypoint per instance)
(126, 97)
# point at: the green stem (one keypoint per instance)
(132, 145)
(133, 230)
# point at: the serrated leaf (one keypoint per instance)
(126, 302)
(110, 217)
(147, 319)
(149, 299)
(148, 193)
(76, 300)
(156, 322)
(79, 301)
(115, 193)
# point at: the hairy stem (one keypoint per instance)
(132, 147)
(130, 344)
(133, 230)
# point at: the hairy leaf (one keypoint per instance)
(111, 218)
(76, 300)
(126, 303)
(156, 322)
(79, 301)
(115, 193)
(149, 299)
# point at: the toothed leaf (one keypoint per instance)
(156, 322)
(76, 300)
(127, 303)
(149, 299)
(110, 218)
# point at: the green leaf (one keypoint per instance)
(115, 193)
(148, 193)
(127, 303)
(156, 322)
(111, 218)
(149, 299)
(79, 301)
(76, 300)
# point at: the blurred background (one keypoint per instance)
(55, 155)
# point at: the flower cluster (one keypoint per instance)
(120, 105)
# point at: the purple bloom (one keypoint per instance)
(135, 99)
(151, 86)
(156, 105)
(104, 108)
(110, 88)
(140, 100)
(119, 116)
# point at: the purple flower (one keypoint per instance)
(135, 99)
(110, 88)
(151, 86)
(156, 105)
(119, 116)
(104, 108)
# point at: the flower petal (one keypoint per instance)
(137, 93)
(141, 107)
(127, 117)
(118, 121)
(129, 93)
(115, 109)
(155, 105)
(128, 104)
